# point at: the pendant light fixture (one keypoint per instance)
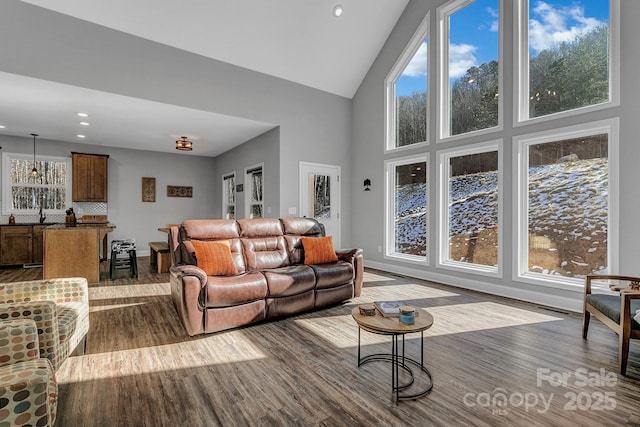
(34, 171)
(183, 144)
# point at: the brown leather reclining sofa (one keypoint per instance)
(271, 281)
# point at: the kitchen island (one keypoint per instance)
(74, 250)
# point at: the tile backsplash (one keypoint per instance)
(80, 208)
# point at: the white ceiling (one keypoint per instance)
(296, 40)
(149, 125)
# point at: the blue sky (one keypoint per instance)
(474, 35)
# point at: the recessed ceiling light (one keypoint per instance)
(82, 114)
(81, 136)
(84, 123)
(2, 126)
(337, 10)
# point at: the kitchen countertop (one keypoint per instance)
(64, 226)
(28, 223)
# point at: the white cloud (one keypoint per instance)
(495, 24)
(461, 58)
(550, 25)
(418, 65)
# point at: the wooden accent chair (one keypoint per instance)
(27, 382)
(616, 310)
(60, 308)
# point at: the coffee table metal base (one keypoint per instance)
(399, 361)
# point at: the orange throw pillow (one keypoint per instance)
(215, 257)
(318, 250)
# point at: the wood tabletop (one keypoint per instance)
(391, 325)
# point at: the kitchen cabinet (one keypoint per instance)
(21, 244)
(74, 251)
(37, 244)
(89, 172)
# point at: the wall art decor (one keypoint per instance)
(148, 189)
(177, 191)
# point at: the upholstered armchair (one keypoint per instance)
(28, 388)
(616, 309)
(60, 309)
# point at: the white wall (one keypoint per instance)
(368, 157)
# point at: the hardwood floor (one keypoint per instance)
(141, 368)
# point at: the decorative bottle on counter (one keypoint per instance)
(70, 219)
(12, 219)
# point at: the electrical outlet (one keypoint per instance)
(379, 249)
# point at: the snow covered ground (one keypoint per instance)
(567, 214)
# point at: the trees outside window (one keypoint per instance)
(406, 94)
(25, 194)
(565, 56)
(322, 196)
(229, 196)
(470, 52)
(254, 192)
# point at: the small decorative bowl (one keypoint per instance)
(367, 309)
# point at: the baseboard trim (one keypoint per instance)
(514, 292)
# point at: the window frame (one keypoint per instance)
(442, 63)
(248, 190)
(521, 67)
(444, 157)
(7, 184)
(389, 196)
(225, 203)
(398, 68)
(521, 184)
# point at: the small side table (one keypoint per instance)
(391, 326)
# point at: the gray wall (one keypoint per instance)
(368, 158)
(261, 149)
(314, 125)
(132, 217)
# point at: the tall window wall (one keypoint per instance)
(563, 190)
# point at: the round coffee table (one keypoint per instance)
(391, 326)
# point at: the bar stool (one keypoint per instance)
(123, 257)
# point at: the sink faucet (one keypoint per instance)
(42, 217)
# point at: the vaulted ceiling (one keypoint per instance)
(296, 40)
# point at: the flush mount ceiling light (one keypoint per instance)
(337, 11)
(183, 144)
